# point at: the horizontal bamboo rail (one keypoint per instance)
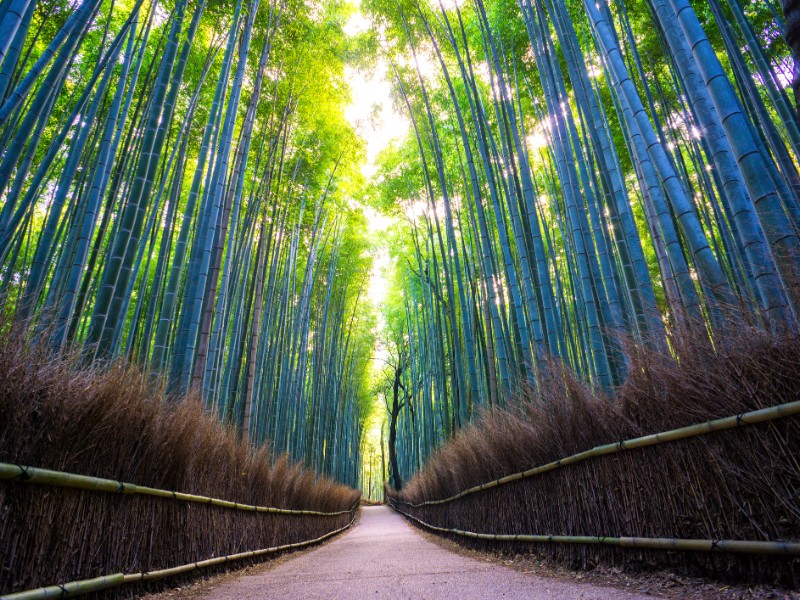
(694, 545)
(749, 418)
(26, 474)
(85, 586)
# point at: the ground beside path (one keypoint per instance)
(384, 557)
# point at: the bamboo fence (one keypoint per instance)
(26, 474)
(695, 545)
(763, 415)
(96, 584)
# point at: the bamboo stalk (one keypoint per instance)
(27, 474)
(749, 418)
(693, 545)
(76, 588)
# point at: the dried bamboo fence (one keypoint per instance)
(472, 506)
(31, 475)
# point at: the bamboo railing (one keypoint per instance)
(763, 415)
(694, 545)
(34, 475)
(27, 474)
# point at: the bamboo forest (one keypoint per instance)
(293, 253)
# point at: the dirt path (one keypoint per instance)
(384, 557)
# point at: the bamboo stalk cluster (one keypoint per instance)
(582, 174)
(170, 193)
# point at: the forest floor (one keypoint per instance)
(385, 557)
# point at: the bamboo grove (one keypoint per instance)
(175, 183)
(179, 188)
(579, 176)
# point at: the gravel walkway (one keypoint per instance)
(384, 557)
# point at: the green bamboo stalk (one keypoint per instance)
(74, 588)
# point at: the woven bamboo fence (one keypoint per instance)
(520, 501)
(13, 473)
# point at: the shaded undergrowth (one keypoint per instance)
(740, 484)
(113, 422)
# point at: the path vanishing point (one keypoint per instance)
(384, 557)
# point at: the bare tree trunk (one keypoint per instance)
(397, 481)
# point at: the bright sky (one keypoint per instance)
(371, 113)
(374, 119)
